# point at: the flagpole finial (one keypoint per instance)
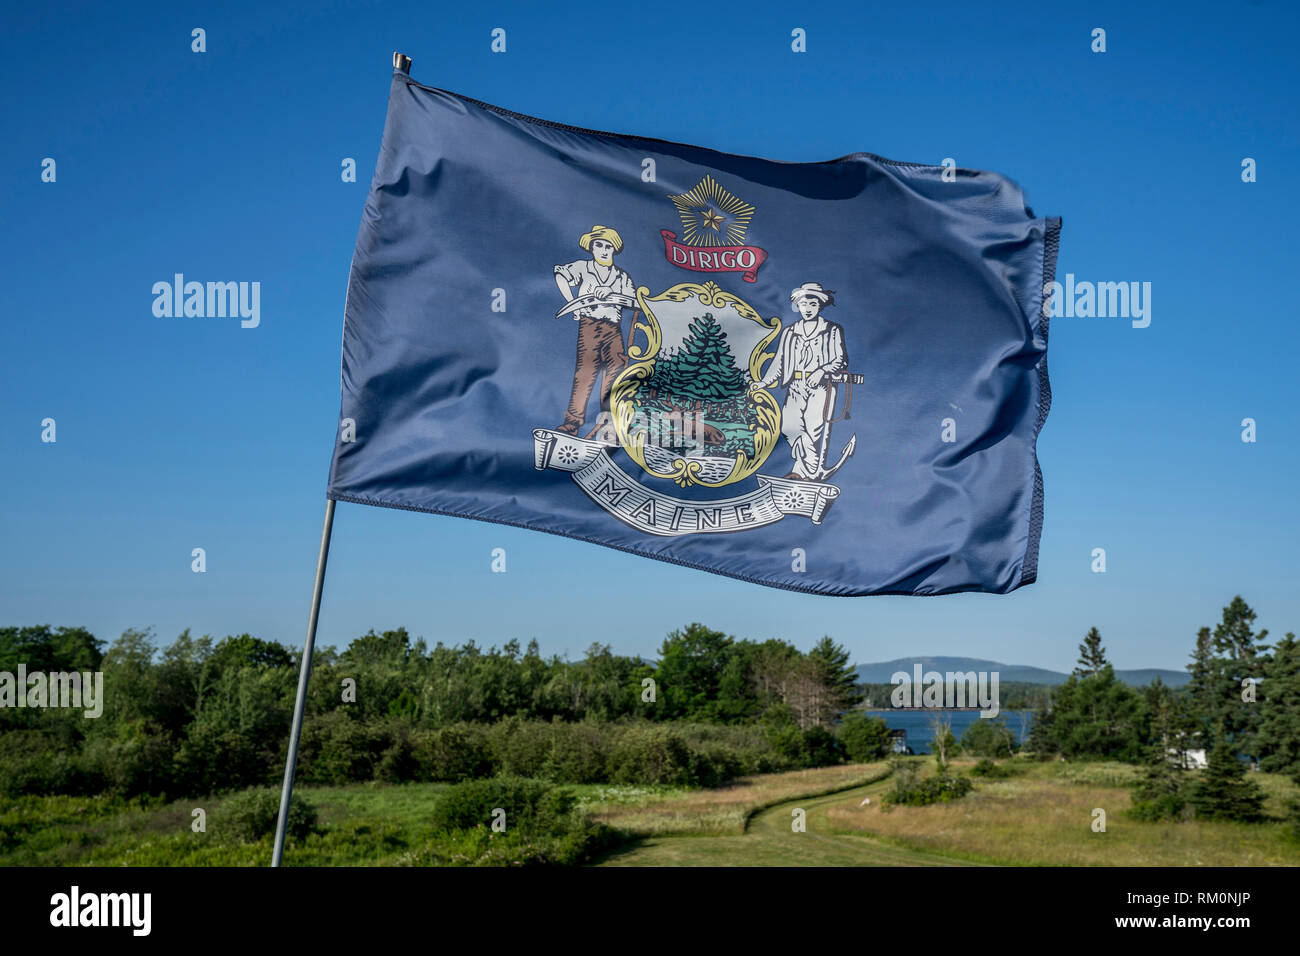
(402, 62)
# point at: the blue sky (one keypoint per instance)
(183, 433)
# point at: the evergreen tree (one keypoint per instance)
(1099, 717)
(1041, 739)
(1159, 793)
(704, 368)
(1279, 726)
(1092, 656)
(1239, 656)
(1222, 791)
(836, 674)
(1200, 688)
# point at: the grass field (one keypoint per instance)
(1040, 816)
(1044, 814)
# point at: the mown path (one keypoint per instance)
(768, 841)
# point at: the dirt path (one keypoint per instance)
(768, 841)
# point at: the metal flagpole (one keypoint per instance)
(304, 674)
(401, 62)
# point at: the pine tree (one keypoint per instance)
(704, 368)
(1159, 793)
(836, 673)
(1200, 688)
(1239, 656)
(1278, 735)
(1222, 791)
(1092, 656)
(1041, 740)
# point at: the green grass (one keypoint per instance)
(361, 824)
(1043, 817)
(1040, 815)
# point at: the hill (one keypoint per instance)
(880, 673)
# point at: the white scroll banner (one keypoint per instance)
(631, 502)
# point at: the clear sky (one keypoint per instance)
(174, 434)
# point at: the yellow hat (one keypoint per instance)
(601, 232)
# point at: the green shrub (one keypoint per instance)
(646, 753)
(913, 790)
(528, 804)
(989, 738)
(253, 814)
(987, 768)
(579, 753)
(520, 747)
(338, 748)
(864, 738)
(453, 753)
(820, 748)
(542, 825)
(32, 762)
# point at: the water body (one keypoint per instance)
(917, 723)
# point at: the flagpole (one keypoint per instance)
(304, 674)
(401, 62)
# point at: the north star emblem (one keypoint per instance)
(689, 403)
(714, 221)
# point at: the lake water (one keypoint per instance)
(920, 733)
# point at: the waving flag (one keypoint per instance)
(828, 377)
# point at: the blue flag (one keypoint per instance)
(828, 377)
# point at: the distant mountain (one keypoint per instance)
(881, 673)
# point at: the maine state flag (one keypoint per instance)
(827, 377)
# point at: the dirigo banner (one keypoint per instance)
(828, 377)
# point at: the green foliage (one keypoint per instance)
(692, 664)
(579, 753)
(206, 716)
(833, 670)
(989, 738)
(1041, 740)
(993, 771)
(650, 754)
(453, 753)
(1222, 791)
(542, 825)
(1292, 805)
(49, 649)
(864, 738)
(914, 790)
(1278, 735)
(1159, 794)
(1098, 716)
(528, 804)
(1092, 656)
(1226, 659)
(253, 814)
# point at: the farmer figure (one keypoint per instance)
(808, 353)
(603, 291)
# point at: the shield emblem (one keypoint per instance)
(682, 409)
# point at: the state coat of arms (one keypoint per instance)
(686, 396)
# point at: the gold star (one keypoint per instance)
(711, 220)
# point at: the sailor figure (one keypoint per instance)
(603, 291)
(808, 353)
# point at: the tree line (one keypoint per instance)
(203, 715)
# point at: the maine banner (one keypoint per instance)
(828, 377)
